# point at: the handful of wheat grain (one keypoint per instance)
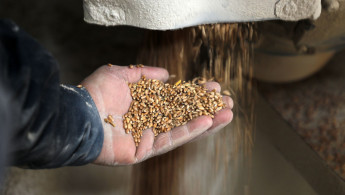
(164, 106)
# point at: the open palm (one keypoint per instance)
(109, 89)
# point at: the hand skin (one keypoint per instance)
(110, 92)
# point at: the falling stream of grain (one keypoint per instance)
(220, 52)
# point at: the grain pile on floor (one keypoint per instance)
(164, 106)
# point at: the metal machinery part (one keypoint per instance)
(291, 51)
(174, 14)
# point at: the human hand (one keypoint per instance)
(109, 89)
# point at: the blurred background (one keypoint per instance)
(286, 156)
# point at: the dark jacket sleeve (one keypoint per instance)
(46, 124)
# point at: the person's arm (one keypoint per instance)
(50, 125)
(54, 126)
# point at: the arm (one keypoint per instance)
(51, 125)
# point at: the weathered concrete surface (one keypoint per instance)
(293, 10)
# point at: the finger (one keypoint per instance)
(221, 119)
(134, 74)
(228, 101)
(212, 85)
(144, 149)
(181, 135)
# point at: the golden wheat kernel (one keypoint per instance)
(178, 82)
(226, 92)
(112, 123)
(110, 117)
(164, 106)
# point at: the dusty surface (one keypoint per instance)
(174, 14)
(293, 10)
